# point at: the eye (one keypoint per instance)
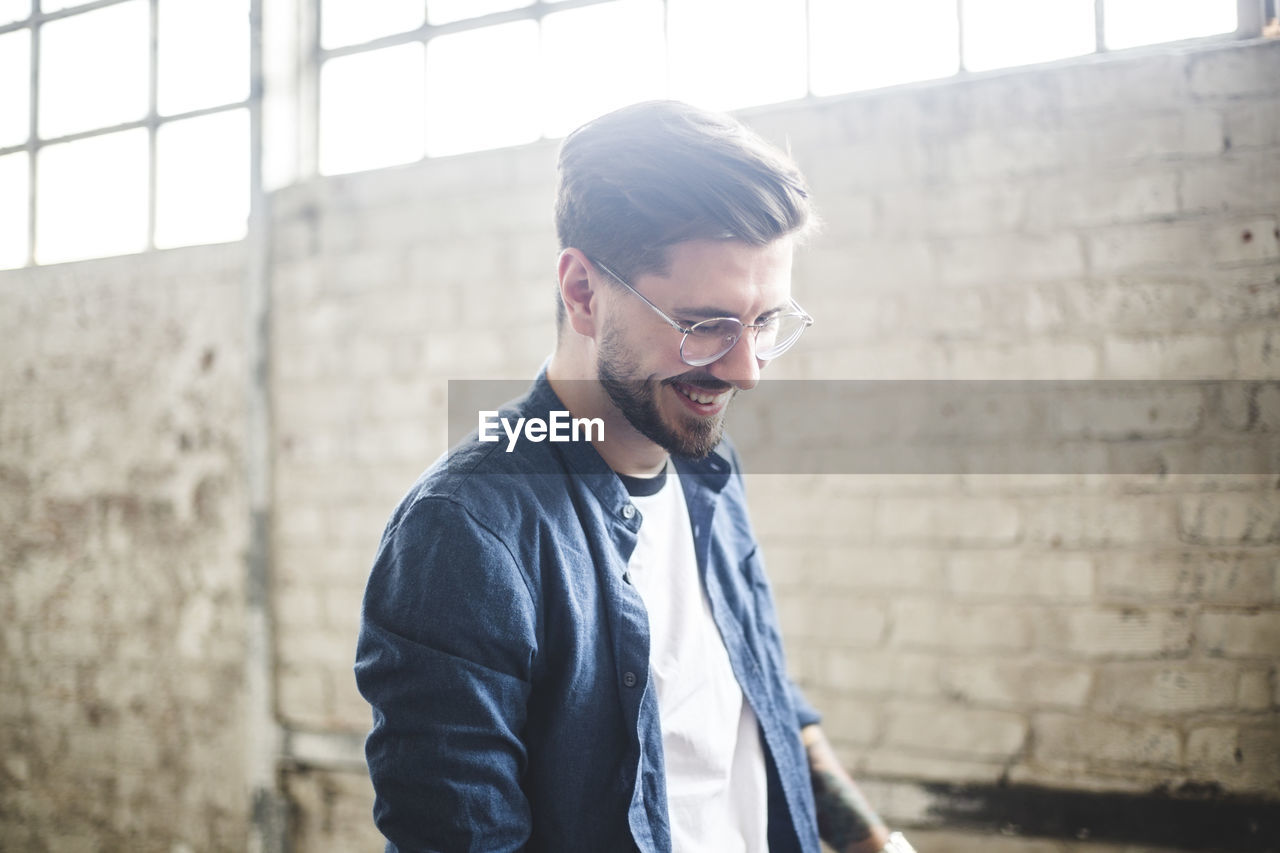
(721, 327)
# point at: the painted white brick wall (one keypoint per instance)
(123, 527)
(1111, 219)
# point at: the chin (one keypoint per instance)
(689, 436)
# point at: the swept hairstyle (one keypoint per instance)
(640, 179)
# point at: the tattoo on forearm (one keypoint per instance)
(844, 815)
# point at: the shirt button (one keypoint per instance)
(628, 511)
(629, 679)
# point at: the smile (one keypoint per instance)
(701, 396)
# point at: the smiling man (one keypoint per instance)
(573, 646)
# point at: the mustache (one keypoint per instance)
(707, 383)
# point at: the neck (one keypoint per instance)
(573, 378)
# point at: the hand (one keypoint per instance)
(898, 843)
(873, 843)
(846, 820)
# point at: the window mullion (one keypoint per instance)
(667, 88)
(309, 88)
(1251, 17)
(153, 118)
(33, 125)
(808, 49)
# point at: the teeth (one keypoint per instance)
(696, 396)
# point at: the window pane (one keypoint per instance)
(92, 198)
(480, 92)
(204, 54)
(202, 179)
(94, 69)
(735, 53)
(15, 82)
(14, 10)
(1129, 23)
(355, 21)
(445, 11)
(622, 42)
(868, 44)
(14, 182)
(371, 109)
(1001, 33)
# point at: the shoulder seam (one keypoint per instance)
(449, 499)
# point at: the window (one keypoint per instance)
(124, 127)
(855, 46)
(404, 79)
(371, 109)
(480, 92)
(626, 37)
(1131, 23)
(125, 124)
(759, 58)
(1003, 33)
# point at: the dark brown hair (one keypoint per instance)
(636, 181)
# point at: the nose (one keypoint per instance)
(739, 366)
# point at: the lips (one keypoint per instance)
(705, 398)
(696, 394)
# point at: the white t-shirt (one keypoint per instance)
(717, 790)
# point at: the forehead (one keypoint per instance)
(726, 277)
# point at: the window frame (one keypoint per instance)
(151, 122)
(1251, 16)
(293, 111)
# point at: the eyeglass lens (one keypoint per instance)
(711, 339)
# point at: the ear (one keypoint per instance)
(581, 301)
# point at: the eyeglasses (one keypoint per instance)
(709, 340)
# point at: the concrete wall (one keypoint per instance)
(1086, 220)
(122, 528)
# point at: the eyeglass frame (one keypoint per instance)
(675, 324)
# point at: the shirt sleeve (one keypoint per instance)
(445, 655)
(806, 714)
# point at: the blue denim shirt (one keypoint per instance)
(506, 655)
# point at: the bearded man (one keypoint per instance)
(572, 646)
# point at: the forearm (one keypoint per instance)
(846, 820)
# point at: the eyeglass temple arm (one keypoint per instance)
(808, 319)
(663, 314)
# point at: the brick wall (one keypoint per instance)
(388, 285)
(1108, 218)
(122, 527)
(1102, 219)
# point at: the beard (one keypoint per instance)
(637, 399)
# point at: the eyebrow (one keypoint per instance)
(711, 312)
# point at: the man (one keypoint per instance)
(572, 646)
